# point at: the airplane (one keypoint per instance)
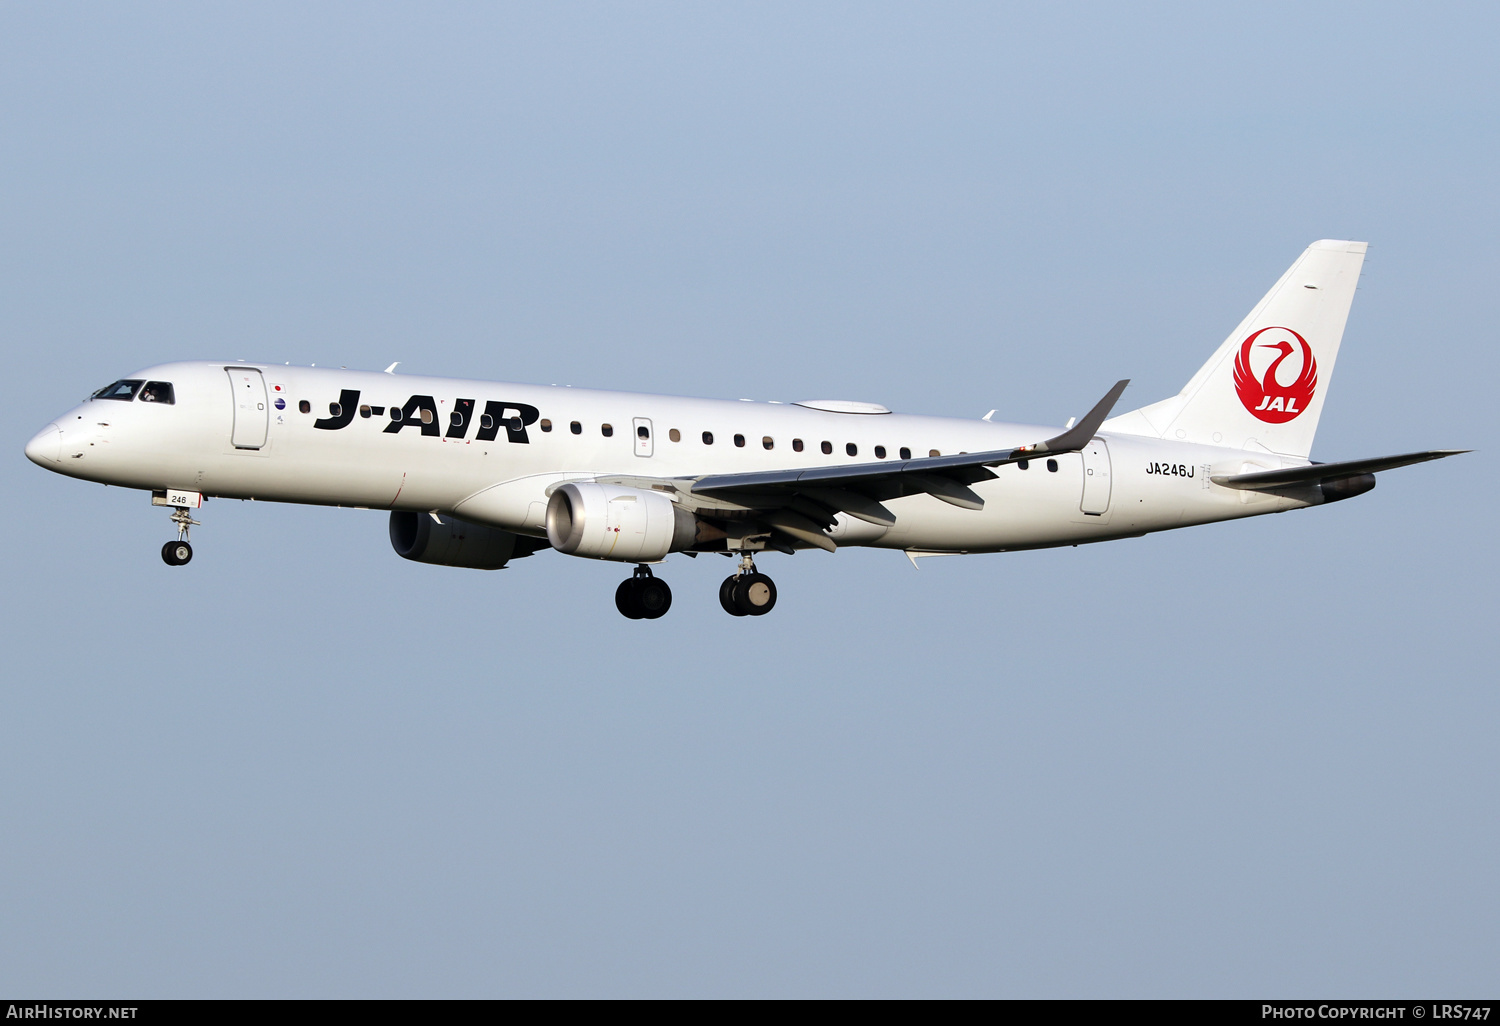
(476, 474)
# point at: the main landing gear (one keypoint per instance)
(643, 596)
(747, 593)
(176, 553)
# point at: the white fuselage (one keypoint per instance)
(1122, 485)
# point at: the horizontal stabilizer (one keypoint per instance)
(1268, 480)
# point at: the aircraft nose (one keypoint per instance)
(45, 446)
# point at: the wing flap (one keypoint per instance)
(859, 506)
(799, 527)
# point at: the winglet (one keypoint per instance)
(1079, 435)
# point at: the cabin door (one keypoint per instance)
(252, 417)
(1095, 500)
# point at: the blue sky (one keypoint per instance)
(1240, 760)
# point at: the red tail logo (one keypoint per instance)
(1265, 396)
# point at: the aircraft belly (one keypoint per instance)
(1021, 509)
(384, 477)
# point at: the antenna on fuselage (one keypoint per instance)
(392, 368)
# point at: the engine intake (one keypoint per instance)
(611, 522)
(454, 542)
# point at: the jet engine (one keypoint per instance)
(449, 541)
(611, 522)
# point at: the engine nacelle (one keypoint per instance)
(455, 542)
(614, 522)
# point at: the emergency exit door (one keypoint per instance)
(642, 436)
(252, 418)
(1095, 478)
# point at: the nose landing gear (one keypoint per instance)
(643, 596)
(747, 593)
(176, 553)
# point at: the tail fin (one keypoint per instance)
(1264, 387)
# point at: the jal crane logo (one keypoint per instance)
(1264, 395)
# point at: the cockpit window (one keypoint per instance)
(123, 389)
(158, 392)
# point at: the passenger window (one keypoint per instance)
(880, 452)
(739, 441)
(395, 411)
(456, 419)
(905, 453)
(827, 448)
(851, 449)
(708, 438)
(485, 421)
(335, 410)
(306, 407)
(158, 392)
(1023, 464)
(364, 411)
(796, 445)
(576, 428)
(675, 435)
(607, 430)
(768, 442)
(426, 414)
(933, 452)
(1052, 466)
(545, 424)
(123, 390)
(642, 431)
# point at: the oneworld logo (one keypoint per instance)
(1263, 394)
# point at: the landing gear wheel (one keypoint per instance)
(726, 596)
(755, 595)
(642, 596)
(178, 552)
(653, 596)
(627, 600)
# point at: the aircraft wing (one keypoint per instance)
(1313, 473)
(802, 503)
